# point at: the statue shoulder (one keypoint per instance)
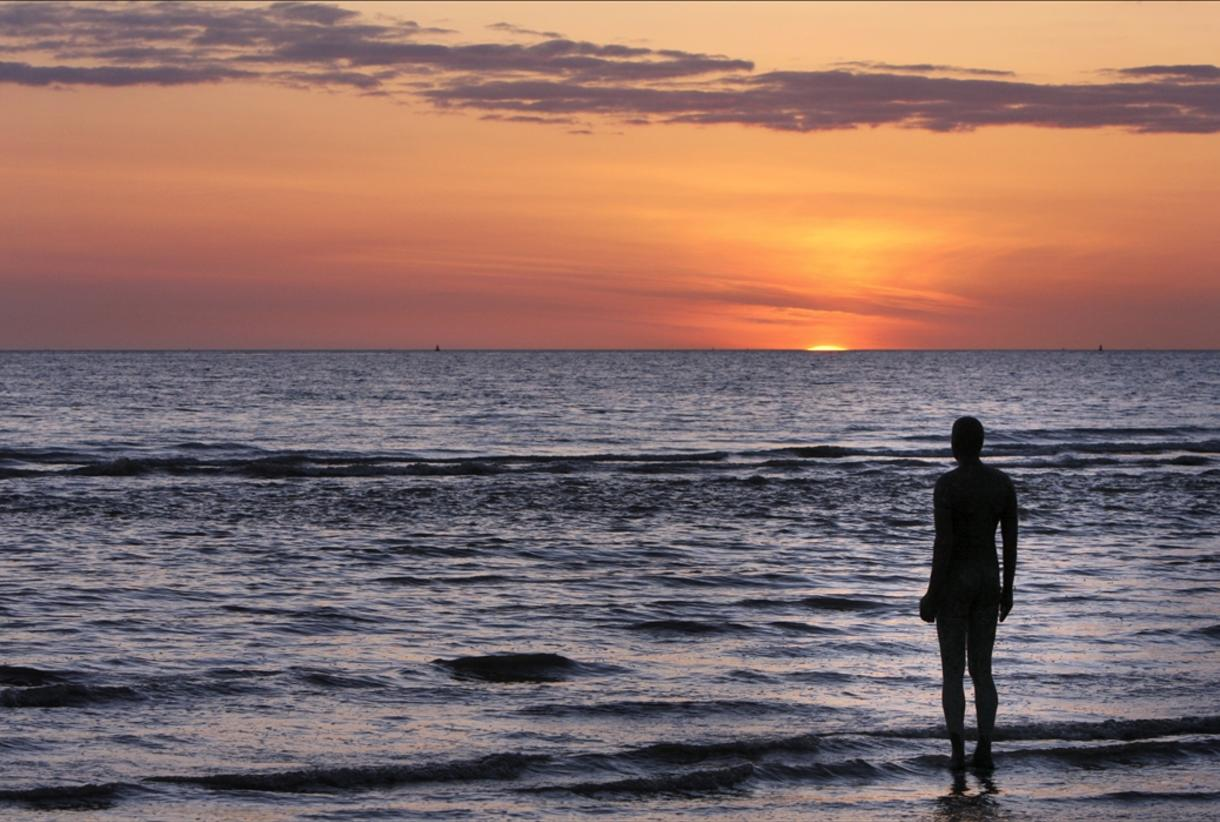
(999, 475)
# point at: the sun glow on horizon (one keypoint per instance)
(653, 202)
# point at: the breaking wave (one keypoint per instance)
(1111, 729)
(1168, 447)
(659, 707)
(682, 784)
(64, 695)
(91, 797)
(817, 603)
(695, 752)
(308, 780)
(25, 677)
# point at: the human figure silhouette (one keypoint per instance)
(965, 595)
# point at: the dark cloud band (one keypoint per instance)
(557, 80)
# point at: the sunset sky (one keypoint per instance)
(538, 175)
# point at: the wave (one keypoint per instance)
(468, 579)
(689, 753)
(704, 767)
(855, 769)
(321, 619)
(817, 603)
(13, 473)
(36, 688)
(91, 797)
(841, 604)
(686, 626)
(1190, 446)
(227, 673)
(309, 780)
(1191, 460)
(821, 452)
(1071, 460)
(1100, 757)
(329, 679)
(680, 784)
(803, 627)
(66, 694)
(1126, 738)
(121, 467)
(822, 676)
(25, 677)
(623, 709)
(1052, 444)
(766, 756)
(1118, 730)
(1162, 796)
(1140, 752)
(1174, 447)
(274, 469)
(517, 667)
(1085, 432)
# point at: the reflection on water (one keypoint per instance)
(971, 797)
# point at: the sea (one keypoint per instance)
(594, 584)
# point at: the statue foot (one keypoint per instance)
(982, 755)
(957, 760)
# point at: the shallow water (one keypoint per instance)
(338, 585)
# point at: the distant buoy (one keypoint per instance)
(438, 348)
(1099, 348)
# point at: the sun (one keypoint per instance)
(825, 348)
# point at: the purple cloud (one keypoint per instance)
(922, 68)
(1186, 73)
(825, 100)
(556, 80)
(26, 75)
(511, 28)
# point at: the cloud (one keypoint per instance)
(26, 75)
(582, 62)
(557, 80)
(826, 100)
(922, 68)
(528, 118)
(865, 302)
(312, 12)
(1187, 73)
(521, 30)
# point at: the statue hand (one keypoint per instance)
(927, 608)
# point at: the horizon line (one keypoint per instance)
(433, 350)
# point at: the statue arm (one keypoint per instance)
(1008, 529)
(942, 548)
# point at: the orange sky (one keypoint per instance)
(221, 176)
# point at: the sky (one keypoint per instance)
(604, 175)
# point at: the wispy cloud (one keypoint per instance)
(528, 118)
(826, 100)
(1196, 72)
(511, 28)
(551, 79)
(922, 68)
(875, 302)
(28, 75)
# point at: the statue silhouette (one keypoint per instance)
(965, 595)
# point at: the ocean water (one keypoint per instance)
(559, 585)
